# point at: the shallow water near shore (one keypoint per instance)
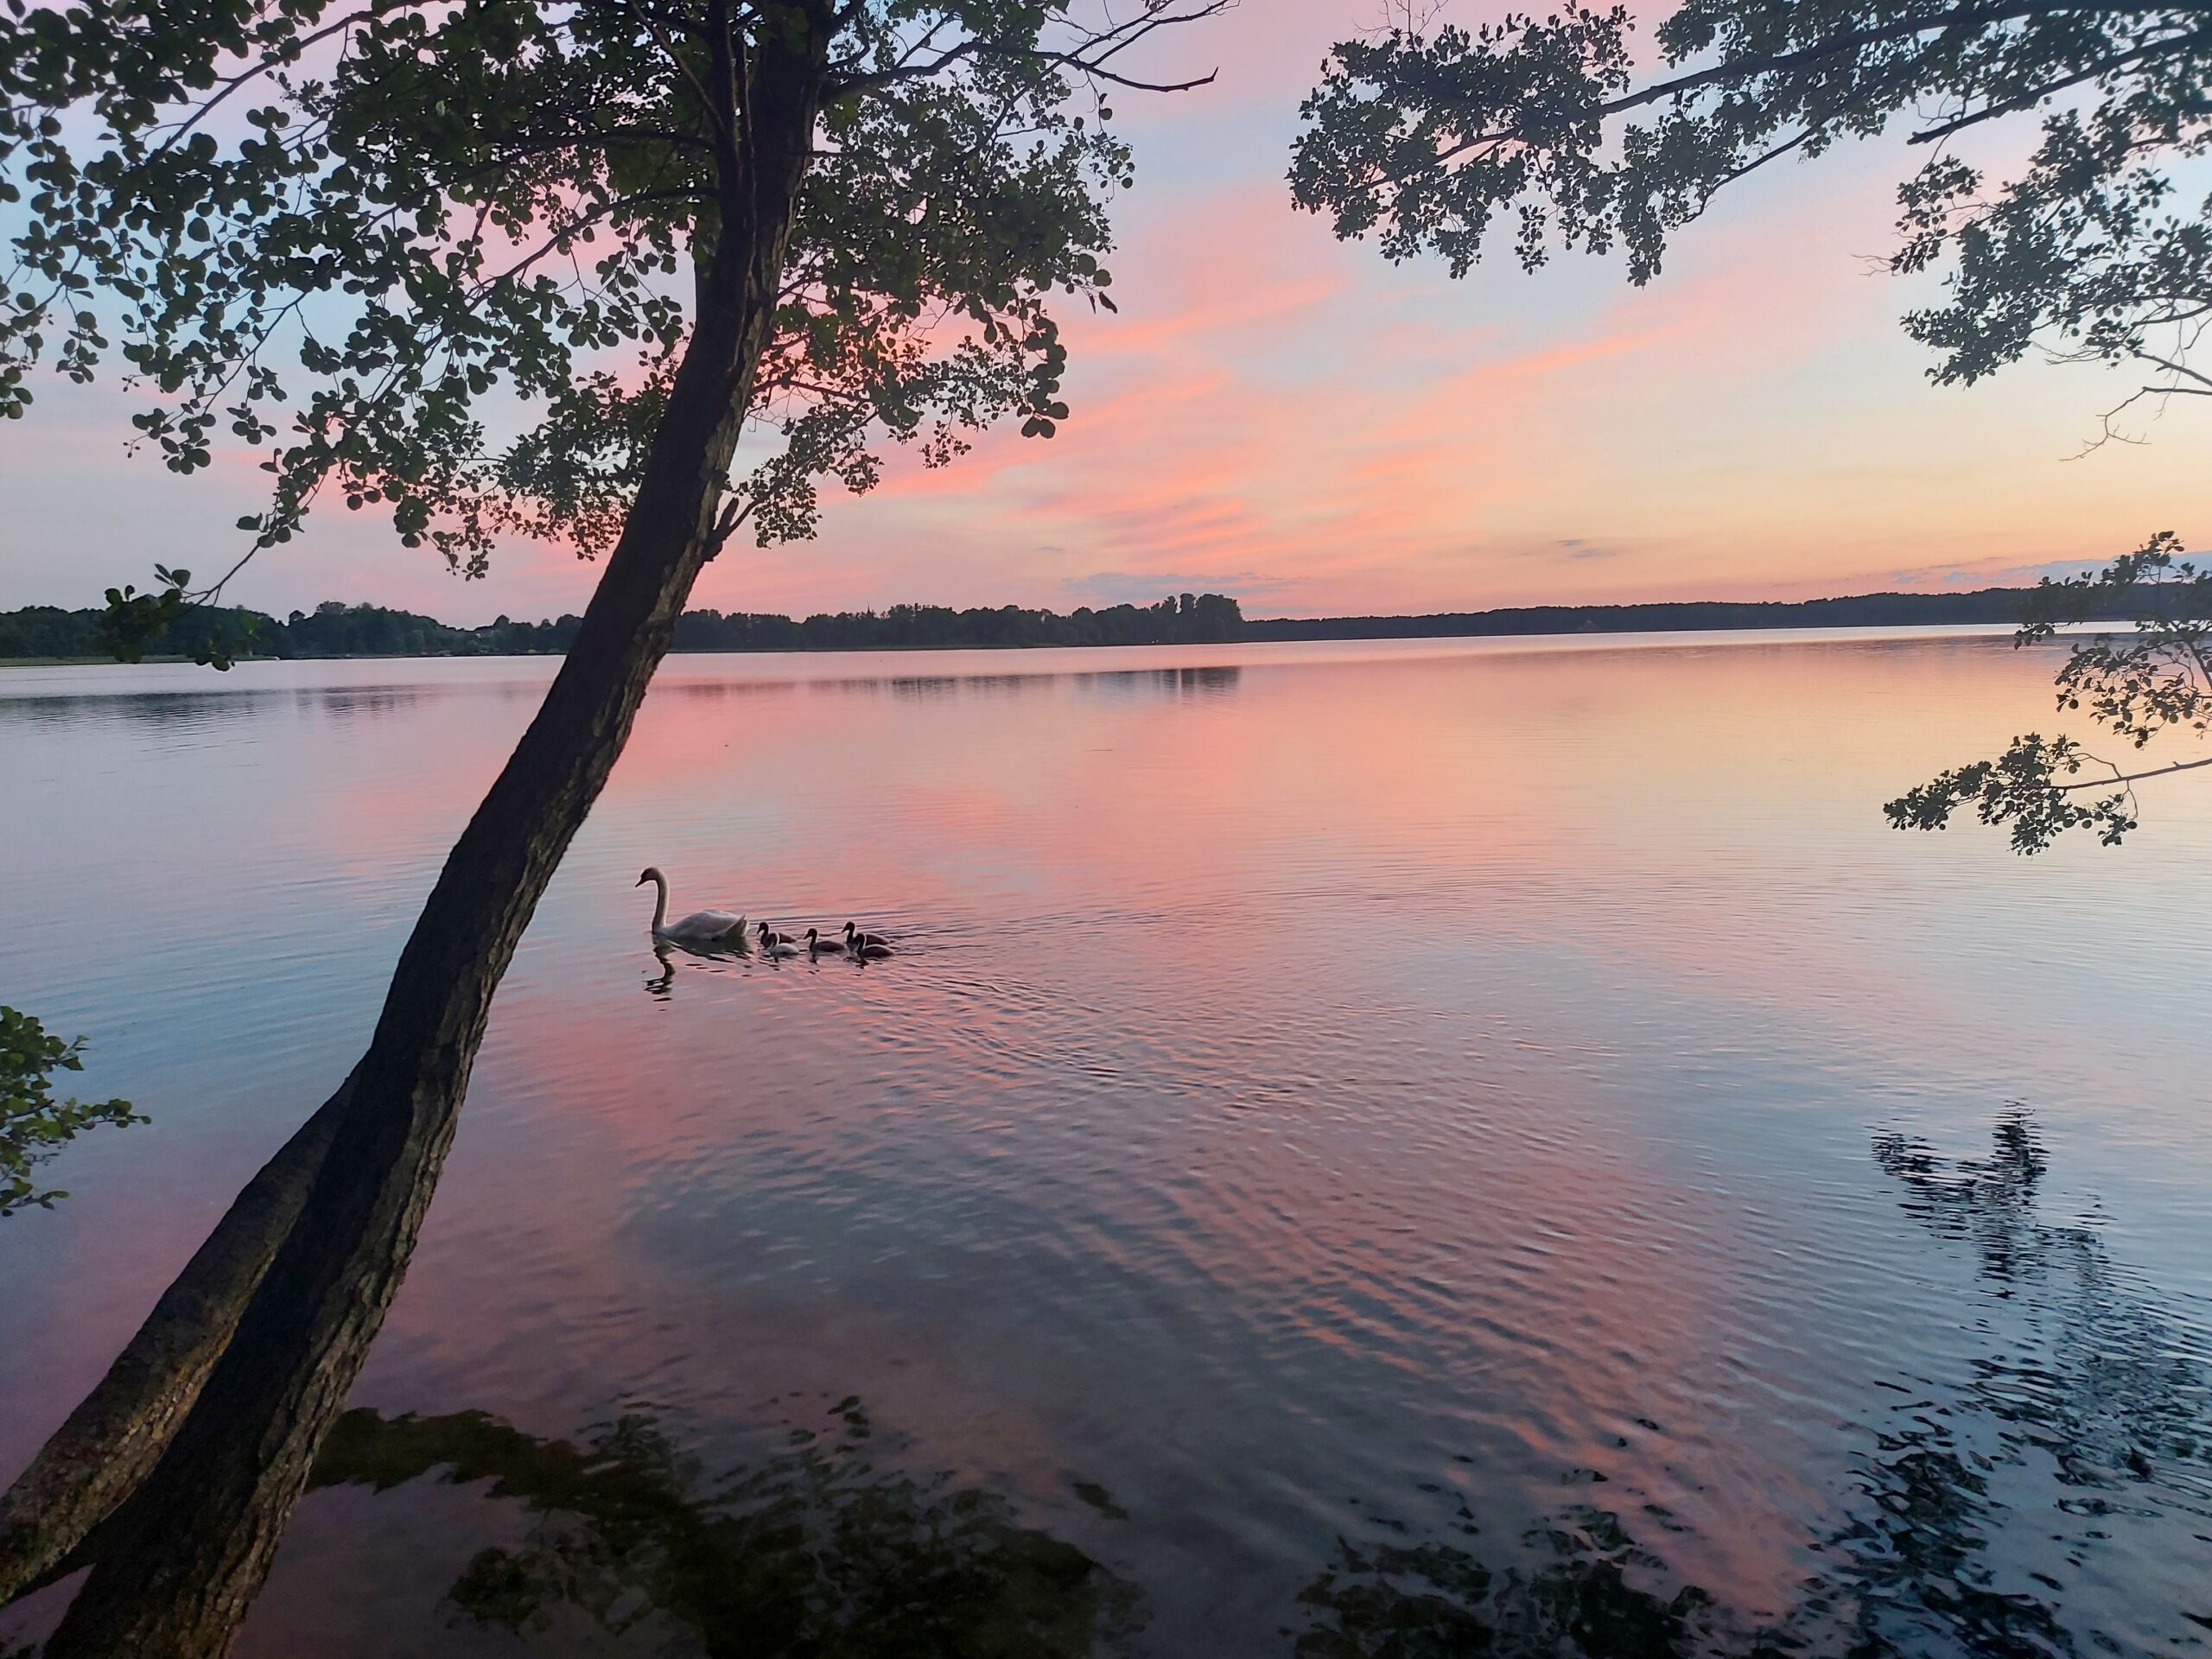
(1408, 1148)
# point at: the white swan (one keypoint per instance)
(701, 927)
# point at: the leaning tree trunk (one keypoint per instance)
(117, 1434)
(195, 1542)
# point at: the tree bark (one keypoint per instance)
(117, 1434)
(195, 1542)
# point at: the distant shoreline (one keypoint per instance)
(922, 651)
(1982, 606)
(336, 634)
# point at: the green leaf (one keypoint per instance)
(34, 1125)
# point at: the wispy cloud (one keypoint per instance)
(1997, 571)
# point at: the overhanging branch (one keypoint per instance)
(2122, 780)
(1735, 71)
(1088, 58)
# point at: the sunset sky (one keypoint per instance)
(1292, 420)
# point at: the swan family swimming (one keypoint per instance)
(722, 930)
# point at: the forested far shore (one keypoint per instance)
(1997, 605)
(334, 629)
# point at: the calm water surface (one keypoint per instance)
(1362, 1151)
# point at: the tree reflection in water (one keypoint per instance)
(1429, 1601)
(2087, 1403)
(1982, 1506)
(816, 1553)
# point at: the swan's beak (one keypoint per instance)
(639, 882)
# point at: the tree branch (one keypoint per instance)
(1853, 41)
(1857, 40)
(2035, 95)
(2204, 388)
(727, 108)
(706, 101)
(262, 68)
(2121, 779)
(1088, 59)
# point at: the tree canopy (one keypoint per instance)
(431, 257)
(2092, 249)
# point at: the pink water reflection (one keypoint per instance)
(1314, 1087)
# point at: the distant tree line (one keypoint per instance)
(2003, 605)
(1186, 620)
(333, 629)
(336, 629)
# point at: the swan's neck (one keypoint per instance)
(660, 900)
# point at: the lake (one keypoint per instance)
(1361, 1150)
